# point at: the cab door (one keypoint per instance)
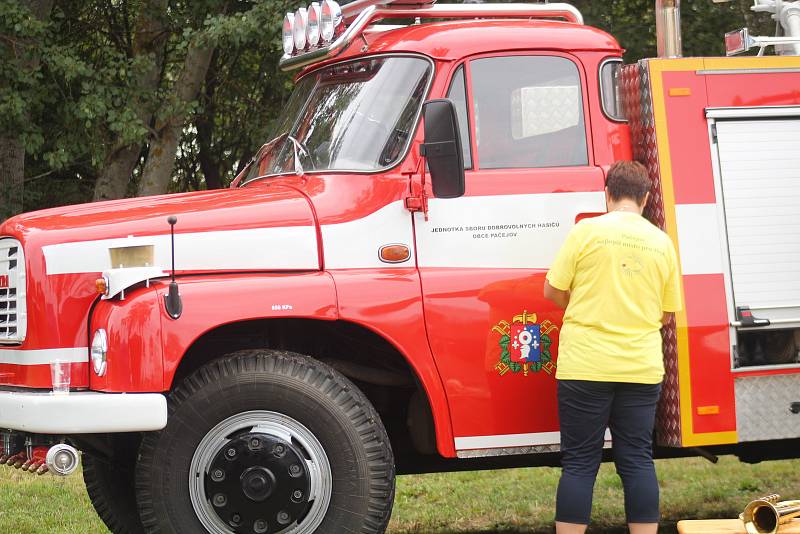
(483, 257)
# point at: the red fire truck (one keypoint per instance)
(366, 299)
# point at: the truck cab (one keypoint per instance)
(365, 300)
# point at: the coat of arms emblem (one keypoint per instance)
(525, 345)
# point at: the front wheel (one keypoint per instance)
(267, 442)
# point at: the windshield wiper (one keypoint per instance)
(268, 148)
(298, 149)
(298, 166)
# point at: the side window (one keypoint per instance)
(609, 89)
(528, 112)
(458, 94)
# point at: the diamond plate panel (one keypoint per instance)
(762, 407)
(544, 110)
(508, 451)
(637, 105)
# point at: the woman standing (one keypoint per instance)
(617, 278)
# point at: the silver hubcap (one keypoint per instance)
(280, 427)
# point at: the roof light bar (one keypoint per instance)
(288, 34)
(300, 25)
(313, 31)
(331, 20)
(361, 13)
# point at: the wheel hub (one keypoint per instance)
(258, 483)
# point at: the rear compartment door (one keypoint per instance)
(758, 180)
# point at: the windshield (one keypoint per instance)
(355, 116)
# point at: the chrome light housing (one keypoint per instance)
(330, 19)
(300, 25)
(288, 34)
(99, 351)
(62, 460)
(314, 15)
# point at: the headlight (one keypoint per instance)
(300, 24)
(330, 18)
(99, 351)
(314, 13)
(288, 34)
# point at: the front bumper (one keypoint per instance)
(86, 412)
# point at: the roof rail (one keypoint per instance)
(361, 13)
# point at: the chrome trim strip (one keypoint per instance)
(707, 72)
(788, 320)
(753, 368)
(752, 112)
(775, 307)
(505, 441)
(44, 356)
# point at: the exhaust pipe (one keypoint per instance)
(668, 28)
(62, 460)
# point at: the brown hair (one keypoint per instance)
(628, 179)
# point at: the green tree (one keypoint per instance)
(110, 98)
(22, 30)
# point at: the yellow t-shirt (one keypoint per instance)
(622, 273)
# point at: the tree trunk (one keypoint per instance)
(150, 38)
(163, 148)
(113, 179)
(12, 176)
(205, 122)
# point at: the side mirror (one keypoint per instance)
(442, 148)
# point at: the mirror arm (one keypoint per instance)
(418, 201)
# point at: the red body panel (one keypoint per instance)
(753, 89)
(712, 384)
(686, 89)
(135, 342)
(389, 303)
(208, 302)
(463, 307)
(688, 138)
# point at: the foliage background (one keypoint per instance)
(109, 98)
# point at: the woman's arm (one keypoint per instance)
(558, 296)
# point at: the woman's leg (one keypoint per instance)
(632, 418)
(583, 411)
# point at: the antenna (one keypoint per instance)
(172, 300)
(172, 220)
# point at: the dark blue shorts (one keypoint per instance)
(585, 409)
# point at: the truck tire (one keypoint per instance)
(266, 441)
(110, 485)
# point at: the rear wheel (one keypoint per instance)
(267, 442)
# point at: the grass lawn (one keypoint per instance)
(514, 500)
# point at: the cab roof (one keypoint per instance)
(452, 40)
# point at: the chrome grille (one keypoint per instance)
(13, 310)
